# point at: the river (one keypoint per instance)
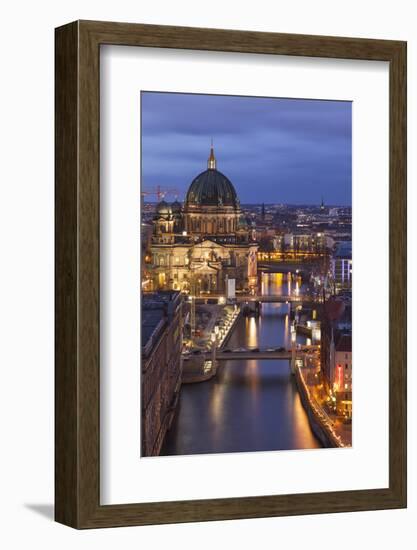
(251, 405)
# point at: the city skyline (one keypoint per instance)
(293, 147)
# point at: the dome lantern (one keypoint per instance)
(211, 163)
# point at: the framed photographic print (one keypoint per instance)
(230, 274)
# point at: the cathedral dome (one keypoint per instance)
(211, 188)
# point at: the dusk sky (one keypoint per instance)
(273, 150)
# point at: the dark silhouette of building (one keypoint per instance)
(161, 366)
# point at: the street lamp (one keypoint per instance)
(213, 349)
(293, 341)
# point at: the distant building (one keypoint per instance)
(161, 366)
(341, 266)
(342, 383)
(278, 243)
(146, 239)
(336, 352)
(311, 242)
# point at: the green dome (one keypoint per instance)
(163, 208)
(211, 188)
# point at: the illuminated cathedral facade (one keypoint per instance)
(198, 246)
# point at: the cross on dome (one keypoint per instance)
(211, 163)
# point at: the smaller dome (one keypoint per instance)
(163, 208)
(242, 223)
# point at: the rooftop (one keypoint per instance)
(151, 323)
(156, 300)
(156, 307)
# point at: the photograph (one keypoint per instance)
(246, 274)
(189, 356)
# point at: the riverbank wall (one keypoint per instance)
(194, 367)
(229, 332)
(320, 430)
(197, 374)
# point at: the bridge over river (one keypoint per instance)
(222, 355)
(278, 298)
(302, 266)
(281, 298)
(261, 354)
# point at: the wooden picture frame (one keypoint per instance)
(77, 405)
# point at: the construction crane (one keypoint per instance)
(159, 192)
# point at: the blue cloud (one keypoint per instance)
(273, 150)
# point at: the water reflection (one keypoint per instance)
(251, 405)
(251, 328)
